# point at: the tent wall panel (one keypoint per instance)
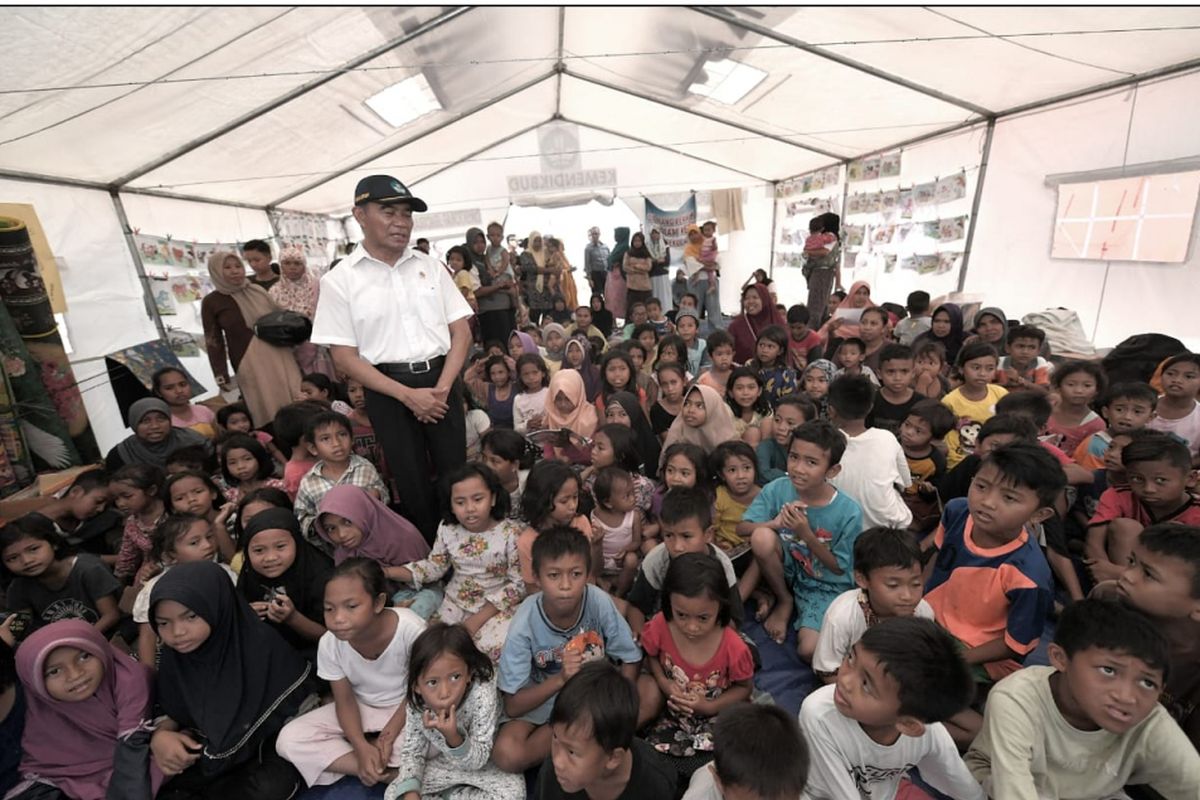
(105, 311)
(202, 222)
(1011, 265)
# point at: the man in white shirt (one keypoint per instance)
(395, 322)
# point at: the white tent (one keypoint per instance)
(194, 122)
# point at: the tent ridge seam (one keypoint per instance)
(412, 139)
(289, 96)
(849, 63)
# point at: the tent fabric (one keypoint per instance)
(237, 110)
(211, 123)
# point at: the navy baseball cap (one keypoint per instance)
(387, 190)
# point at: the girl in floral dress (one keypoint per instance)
(480, 544)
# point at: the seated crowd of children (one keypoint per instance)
(983, 562)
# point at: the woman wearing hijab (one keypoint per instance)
(227, 682)
(153, 438)
(555, 337)
(758, 314)
(945, 328)
(495, 295)
(660, 267)
(302, 582)
(297, 290)
(579, 349)
(520, 343)
(538, 278)
(648, 445)
(717, 426)
(825, 368)
(615, 287)
(603, 318)
(637, 265)
(267, 375)
(846, 327)
(563, 269)
(387, 537)
(92, 747)
(990, 326)
(567, 406)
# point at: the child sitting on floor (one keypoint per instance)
(1159, 473)
(1128, 407)
(594, 752)
(873, 468)
(759, 753)
(329, 438)
(550, 637)
(1178, 409)
(175, 388)
(772, 452)
(1089, 723)
(990, 585)
(887, 569)
(1022, 367)
(698, 664)
(883, 716)
(927, 422)
(802, 533)
(235, 418)
(973, 403)
(1163, 582)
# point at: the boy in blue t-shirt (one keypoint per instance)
(802, 533)
(553, 633)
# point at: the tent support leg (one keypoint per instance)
(143, 278)
(774, 233)
(983, 163)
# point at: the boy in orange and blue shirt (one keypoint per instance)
(990, 585)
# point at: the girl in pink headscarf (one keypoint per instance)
(297, 290)
(858, 298)
(88, 709)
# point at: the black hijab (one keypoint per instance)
(304, 581)
(647, 443)
(639, 251)
(237, 688)
(602, 318)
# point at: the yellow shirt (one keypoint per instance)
(727, 514)
(970, 414)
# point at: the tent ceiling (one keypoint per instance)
(170, 98)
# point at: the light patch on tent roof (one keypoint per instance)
(403, 102)
(727, 81)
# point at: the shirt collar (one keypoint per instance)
(360, 253)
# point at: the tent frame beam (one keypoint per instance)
(974, 218)
(1120, 83)
(799, 44)
(559, 66)
(669, 149)
(54, 180)
(143, 278)
(703, 115)
(291, 95)
(480, 151)
(391, 148)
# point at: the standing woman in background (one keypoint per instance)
(660, 268)
(267, 375)
(297, 290)
(497, 306)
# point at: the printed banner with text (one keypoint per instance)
(671, 224)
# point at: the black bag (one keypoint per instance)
(1136, 358)
(283, 328)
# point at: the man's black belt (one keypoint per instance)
(411, 367)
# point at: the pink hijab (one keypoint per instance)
(848, 329)
(388, 537)
(717, 427)
(71, 744)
